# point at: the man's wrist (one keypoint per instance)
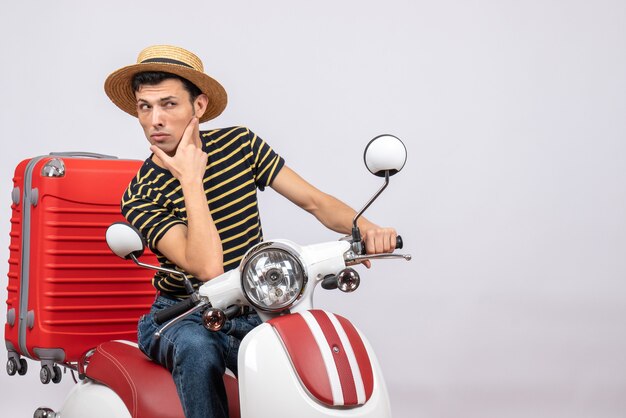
(365, 225)
(191, 183)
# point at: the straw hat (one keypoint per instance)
(170, 59)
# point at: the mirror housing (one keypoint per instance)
(385, 153)
(124, 240)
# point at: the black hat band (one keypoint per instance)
(166, 61)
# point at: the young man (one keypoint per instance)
(194, 201)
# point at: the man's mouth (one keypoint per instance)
(159, 136)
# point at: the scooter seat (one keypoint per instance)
(146, 388)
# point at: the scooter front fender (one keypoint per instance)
(269, 385)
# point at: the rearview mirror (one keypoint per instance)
(385, 153)
(124, 240)
(384, 156)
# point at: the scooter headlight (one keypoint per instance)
(273, 277)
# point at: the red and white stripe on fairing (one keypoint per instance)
(328, 355)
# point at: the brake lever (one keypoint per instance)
(352, 259)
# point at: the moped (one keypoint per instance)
(300, 362)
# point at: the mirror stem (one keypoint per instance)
(188, 285)
(356, 233)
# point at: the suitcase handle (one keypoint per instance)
(84, 154)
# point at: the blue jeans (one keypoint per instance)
(196, 357)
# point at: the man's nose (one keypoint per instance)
(157, 116)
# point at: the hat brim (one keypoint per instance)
(119, 89)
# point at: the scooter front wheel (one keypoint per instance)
(44, 413)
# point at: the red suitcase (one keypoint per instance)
(67, 292)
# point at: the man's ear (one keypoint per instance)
(200, 105)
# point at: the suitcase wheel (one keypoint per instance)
(57, 374)
(13, 367)
(46, 375)
(23, 367)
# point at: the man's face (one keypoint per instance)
(164, 111)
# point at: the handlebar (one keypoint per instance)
(173, 311)
(359, 254)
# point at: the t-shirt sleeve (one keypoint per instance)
(147, 212)
(265, 162)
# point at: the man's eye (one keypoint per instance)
(170, 104)
(143, 106)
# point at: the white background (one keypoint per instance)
(513, 199)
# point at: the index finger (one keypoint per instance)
(161, 155)
(190, 133)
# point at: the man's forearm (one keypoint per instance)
(336, 215)
(203, 247)
(331, 212)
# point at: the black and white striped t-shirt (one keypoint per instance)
(239, 163)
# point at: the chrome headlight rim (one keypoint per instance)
(272, 245)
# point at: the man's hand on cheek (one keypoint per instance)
(189, 161)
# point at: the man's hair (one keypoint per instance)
(152, 78)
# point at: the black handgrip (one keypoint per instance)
(232, 311)
(330, 282)
(399, 244)
(174, 310)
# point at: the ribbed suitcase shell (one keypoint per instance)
(67, 292)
